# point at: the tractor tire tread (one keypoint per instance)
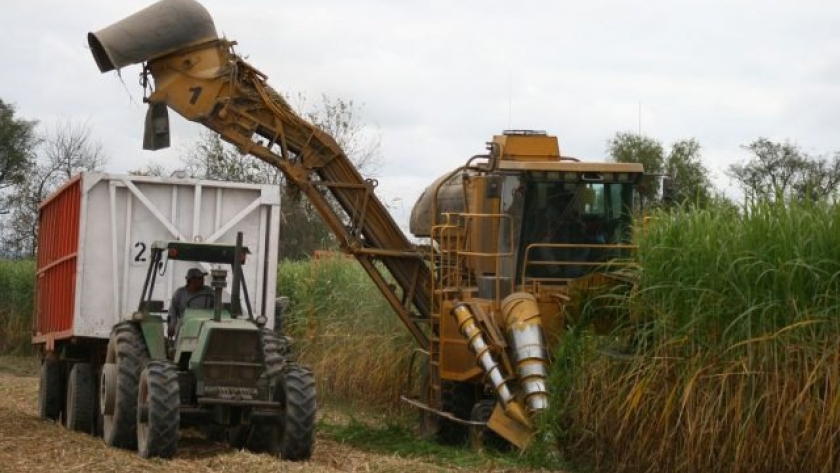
(130, 356)
(164, 412)
(298, 426)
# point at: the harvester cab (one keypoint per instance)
(226, 374)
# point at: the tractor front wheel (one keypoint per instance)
(158, 410)
(297, 429)
(293, 436)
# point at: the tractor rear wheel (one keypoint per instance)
(50, 391)
(127, 352)
(158, 410)
(481, 437)
(81, 391)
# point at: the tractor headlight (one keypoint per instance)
(261, 320)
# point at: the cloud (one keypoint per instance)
(439, 78)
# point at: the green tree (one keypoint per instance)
(633, 148)
(687, 178)
(681, 169)
(784, 171)
(17, 146)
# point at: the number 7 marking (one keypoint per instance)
(196, 91)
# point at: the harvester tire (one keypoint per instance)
(50, 392)
(158, 410)
(457, 399)
(127, 351)
(481, 437)
(291, 438)
(81, 393)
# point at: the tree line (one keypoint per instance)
(34, 163)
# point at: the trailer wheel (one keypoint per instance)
(158, 410)
(128, 352)
(50, 391)
(81, 390)
(481, 437)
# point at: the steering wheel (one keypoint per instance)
(209, 301)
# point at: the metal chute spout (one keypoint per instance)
(163, 27)
(470, 330)
(523, 325)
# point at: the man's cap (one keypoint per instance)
(195, 273)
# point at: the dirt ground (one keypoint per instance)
(29, 444)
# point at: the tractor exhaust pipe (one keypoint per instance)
(525, 337)
(162, 28)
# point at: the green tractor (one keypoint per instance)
(224, 373)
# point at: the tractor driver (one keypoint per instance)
(193, 294)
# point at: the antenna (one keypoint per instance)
(510, 97)
(640, 118)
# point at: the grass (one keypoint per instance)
(736, 350)
(345, 330)
(17, 297)
(733, 351)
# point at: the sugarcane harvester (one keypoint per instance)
(487, 297)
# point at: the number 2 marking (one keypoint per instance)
(139, 258)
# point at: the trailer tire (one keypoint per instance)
(128, 351)
(80, 399)
(481, 437)
(50, 391)
(158, 410)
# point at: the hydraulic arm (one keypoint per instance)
(199, 76)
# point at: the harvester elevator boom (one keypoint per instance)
(198, 75)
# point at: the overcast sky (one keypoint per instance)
(439, 78)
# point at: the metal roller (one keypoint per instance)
(523, 326)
